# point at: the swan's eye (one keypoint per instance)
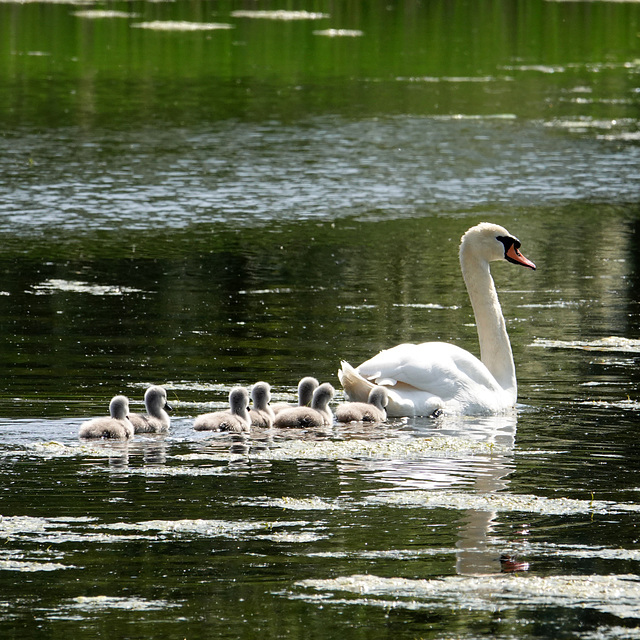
(512, 251)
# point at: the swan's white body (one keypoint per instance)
(436, 377)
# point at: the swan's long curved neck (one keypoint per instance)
(495, 348)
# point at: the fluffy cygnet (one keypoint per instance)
(319, 414)
(156, 420)
(261, 413)
(118, 426)
(306, 387)
(371, 411)
(236, 420)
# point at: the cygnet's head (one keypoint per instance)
(379, 397)
(261, 394)
(306, 387)
(239, 400)
(156, 397)
(119, 407)
(323, 395)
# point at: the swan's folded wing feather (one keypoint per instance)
(438, 368)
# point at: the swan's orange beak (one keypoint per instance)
(515, 256)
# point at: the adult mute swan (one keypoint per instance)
(436, 377)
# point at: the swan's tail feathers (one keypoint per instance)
(355, 386)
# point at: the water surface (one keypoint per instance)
(205, 207)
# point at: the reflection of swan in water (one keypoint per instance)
(436, 377)
(469, 471)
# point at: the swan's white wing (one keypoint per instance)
(436, 367)
(422, 378)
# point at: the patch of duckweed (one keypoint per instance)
(609, 343)
(279, 14)
(292, 537)
(97, 14)
(614, 594)
(19, 525)
(497, 502)
(161, 471)
(181, 25)
(303, 504)
(28, 567)
(207, 528)
(74, 286)
(383, 449)
(339, 33)
(111, 602)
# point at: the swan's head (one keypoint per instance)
(119, 407)
(492, 242)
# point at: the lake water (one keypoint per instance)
(259, 200)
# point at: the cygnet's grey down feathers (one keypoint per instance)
(117, 427)
(306, 387)
(371, 411)
(261, 413)
(317, 415)
(236, 420)
(156, 420)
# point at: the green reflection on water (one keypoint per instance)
(516, 57)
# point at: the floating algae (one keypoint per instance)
(177, 25)
(615, 594)
(497, 502)
(111, 602)
(279, 15)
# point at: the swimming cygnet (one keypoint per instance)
(261, 413)
(371, 411)
(306, 387)
(236, 420)
(156, 420)
(317, 415)
(118, 426)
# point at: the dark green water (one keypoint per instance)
(202, 209)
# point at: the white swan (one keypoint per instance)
(156, 420)
(436, 377)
